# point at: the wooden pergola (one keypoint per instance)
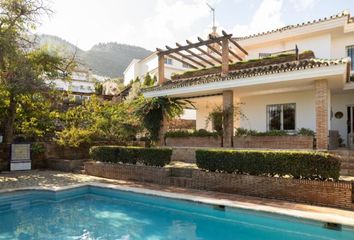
(196, 57)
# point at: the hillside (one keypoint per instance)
(105, 59)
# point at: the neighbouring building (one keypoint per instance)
(80, 87)
(138, 68)
(298, 76)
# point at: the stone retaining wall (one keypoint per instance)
(274, 142)
(332, 194)
(193, 142)
(65, 165)
(184, 154)
(4, 157)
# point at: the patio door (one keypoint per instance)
(350, 126)
(350, 119)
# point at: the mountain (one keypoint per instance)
(105, 59)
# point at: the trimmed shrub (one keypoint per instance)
(277, 59)
(196, 133)
(300, 165)
(132, 155)
(305, 132)
(300, 132)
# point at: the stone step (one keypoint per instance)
(346, 172)
(181, 172)
(183, 182)
(348, 166)
(66, 165)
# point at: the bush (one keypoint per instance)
(248, 132)
(196, 133)
(305, 132)
(300, 132)
(300, 165)
(118, 154)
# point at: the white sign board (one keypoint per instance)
(20, 157)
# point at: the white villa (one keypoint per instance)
(298, 76)
(80, 86)
(149, 65)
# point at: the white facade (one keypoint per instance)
(328, 38)
(139, 68)
(81, 82)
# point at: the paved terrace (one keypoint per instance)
(54, 179)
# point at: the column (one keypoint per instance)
(162, 132)
(228, 118)
(225, 57)
(322, 111)
(161, 69)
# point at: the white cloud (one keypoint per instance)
(149, 24)
(172, 20)
(267, 17)
(302, 5)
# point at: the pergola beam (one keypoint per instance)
(235, 43)
(196, 55)
(232, 53)
(213, 49)
(206, 53)
(187, 57)
(193, 45)
(190, 54)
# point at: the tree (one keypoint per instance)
(98, 120)
(35, 117)
(153, 111)
(148, 81)
(24, 69)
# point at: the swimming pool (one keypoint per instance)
(92, 212)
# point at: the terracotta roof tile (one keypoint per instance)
(339, 15)
(249, 72)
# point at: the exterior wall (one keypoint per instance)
(193, 142)
(131, 71)
(274, 142)
(322, 108)
(81, 82)
(339, 103)
(4, 157)
(139, 68)
(339, 44)
(65, 165)
(184, 154)
(204, 107)
(201, 120)
(75, 86)
(333, 194)
(320, 45)
(254, 108)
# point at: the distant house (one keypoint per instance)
(139, 68)
(298, 76)
(79, 88)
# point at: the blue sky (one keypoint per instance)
(154, 23)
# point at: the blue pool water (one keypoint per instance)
(100, 213)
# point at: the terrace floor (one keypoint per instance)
(55, 180)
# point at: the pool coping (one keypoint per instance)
(293, 213)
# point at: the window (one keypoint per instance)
(281, 117)
(186, 65)
(350, 53)
(168, 61)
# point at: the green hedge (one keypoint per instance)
(249, 132)
(119, 154)
(196, 133)
(300, 165)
